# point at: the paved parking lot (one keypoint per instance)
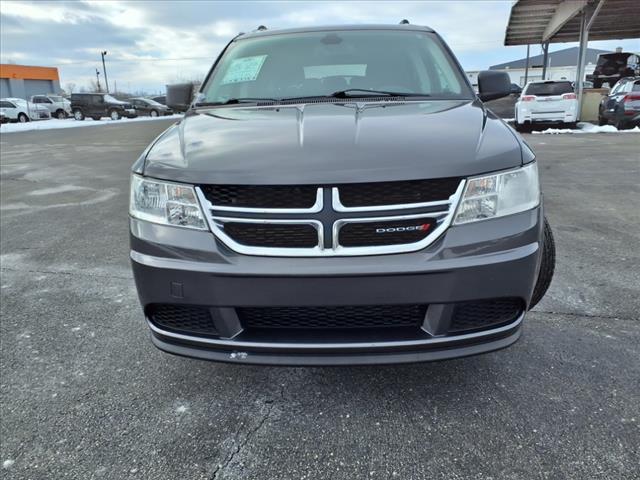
(85, 395)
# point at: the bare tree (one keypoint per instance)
(70, 87)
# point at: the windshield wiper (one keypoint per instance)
(348, 93)
(351, 93)
(233, 101)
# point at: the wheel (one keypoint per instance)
(154, 113)
(523, 127)
(114, 115)
(620, 125)
(78, 115)
(547, 265)
(571, 125)
(22, 118)
(601, 120)
(60, 115)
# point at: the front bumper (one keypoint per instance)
(498, 258)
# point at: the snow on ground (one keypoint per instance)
(72, 123)
(584, 127)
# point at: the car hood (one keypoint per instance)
(331, 143)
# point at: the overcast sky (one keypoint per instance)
(152, 43)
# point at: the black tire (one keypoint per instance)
(60, 115)
(22, 118)
(571, 125)
(96, 118)
(547, 265)
(154, 113)
(602, 121)
(620, 125)
(115, 115)
(523, 127)
(78, 114)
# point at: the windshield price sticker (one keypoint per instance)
(244, 69)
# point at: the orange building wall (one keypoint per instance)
(28, 72)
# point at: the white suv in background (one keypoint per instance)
(19, 110)
(58, 106)
(546, 102)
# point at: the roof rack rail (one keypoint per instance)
(261, 28)
(404, 21)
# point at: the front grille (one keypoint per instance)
(487, 313)
(261, 196)
(182, 318)
(386, 232)
(362, 316)
(275, 235)
(397, 193)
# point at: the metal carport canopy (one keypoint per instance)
(558, 21)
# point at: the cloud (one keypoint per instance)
(151, 44)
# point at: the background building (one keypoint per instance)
(561, 65)
(23, 81)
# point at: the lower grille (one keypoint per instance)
(285, 235)
(182, 318)
(385, 232)
(362, 316)
(487, 313)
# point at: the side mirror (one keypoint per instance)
(179, 96)
(493, 85)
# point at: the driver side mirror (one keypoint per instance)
(493, 85)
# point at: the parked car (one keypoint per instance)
(160, 99)
(622, 106)
(98, 105)
(546, 102)
(339, 196)
(612, 67)
(19, 110)
(58, 106)
(146, 106)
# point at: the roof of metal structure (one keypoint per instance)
(567, 57)
(557, 21)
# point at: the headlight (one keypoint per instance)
(166, 203)
(492, 196)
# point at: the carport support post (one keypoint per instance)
(526, 68)
(545, 59)
(582, 53)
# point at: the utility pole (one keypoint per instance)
(104, 69)
(98, 78)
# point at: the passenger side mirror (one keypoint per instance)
(493, 85)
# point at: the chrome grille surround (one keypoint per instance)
(217, 216)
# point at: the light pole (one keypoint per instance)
(104, 69)
(98, 79)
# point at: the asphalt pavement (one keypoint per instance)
(84, 394)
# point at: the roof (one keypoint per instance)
(558, 21)
(330, 28)
(28, 72)
(567, 57)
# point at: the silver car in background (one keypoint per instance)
(19, 110)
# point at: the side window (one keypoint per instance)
(7, 105)
(37, 100)
(46, 100)
(97, 100)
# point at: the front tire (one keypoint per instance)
(22, 118)
(114, 115)
(547, 265)
(78, 114)
(60, 115)
(154, 113)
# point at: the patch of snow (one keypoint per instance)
(8, 463)
(584, 127)
(181, 409)
(55, 124)
(58, 189)
(239, 355)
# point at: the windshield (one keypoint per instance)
(550, 88)
(321, 63)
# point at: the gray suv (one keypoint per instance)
(338, 195)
